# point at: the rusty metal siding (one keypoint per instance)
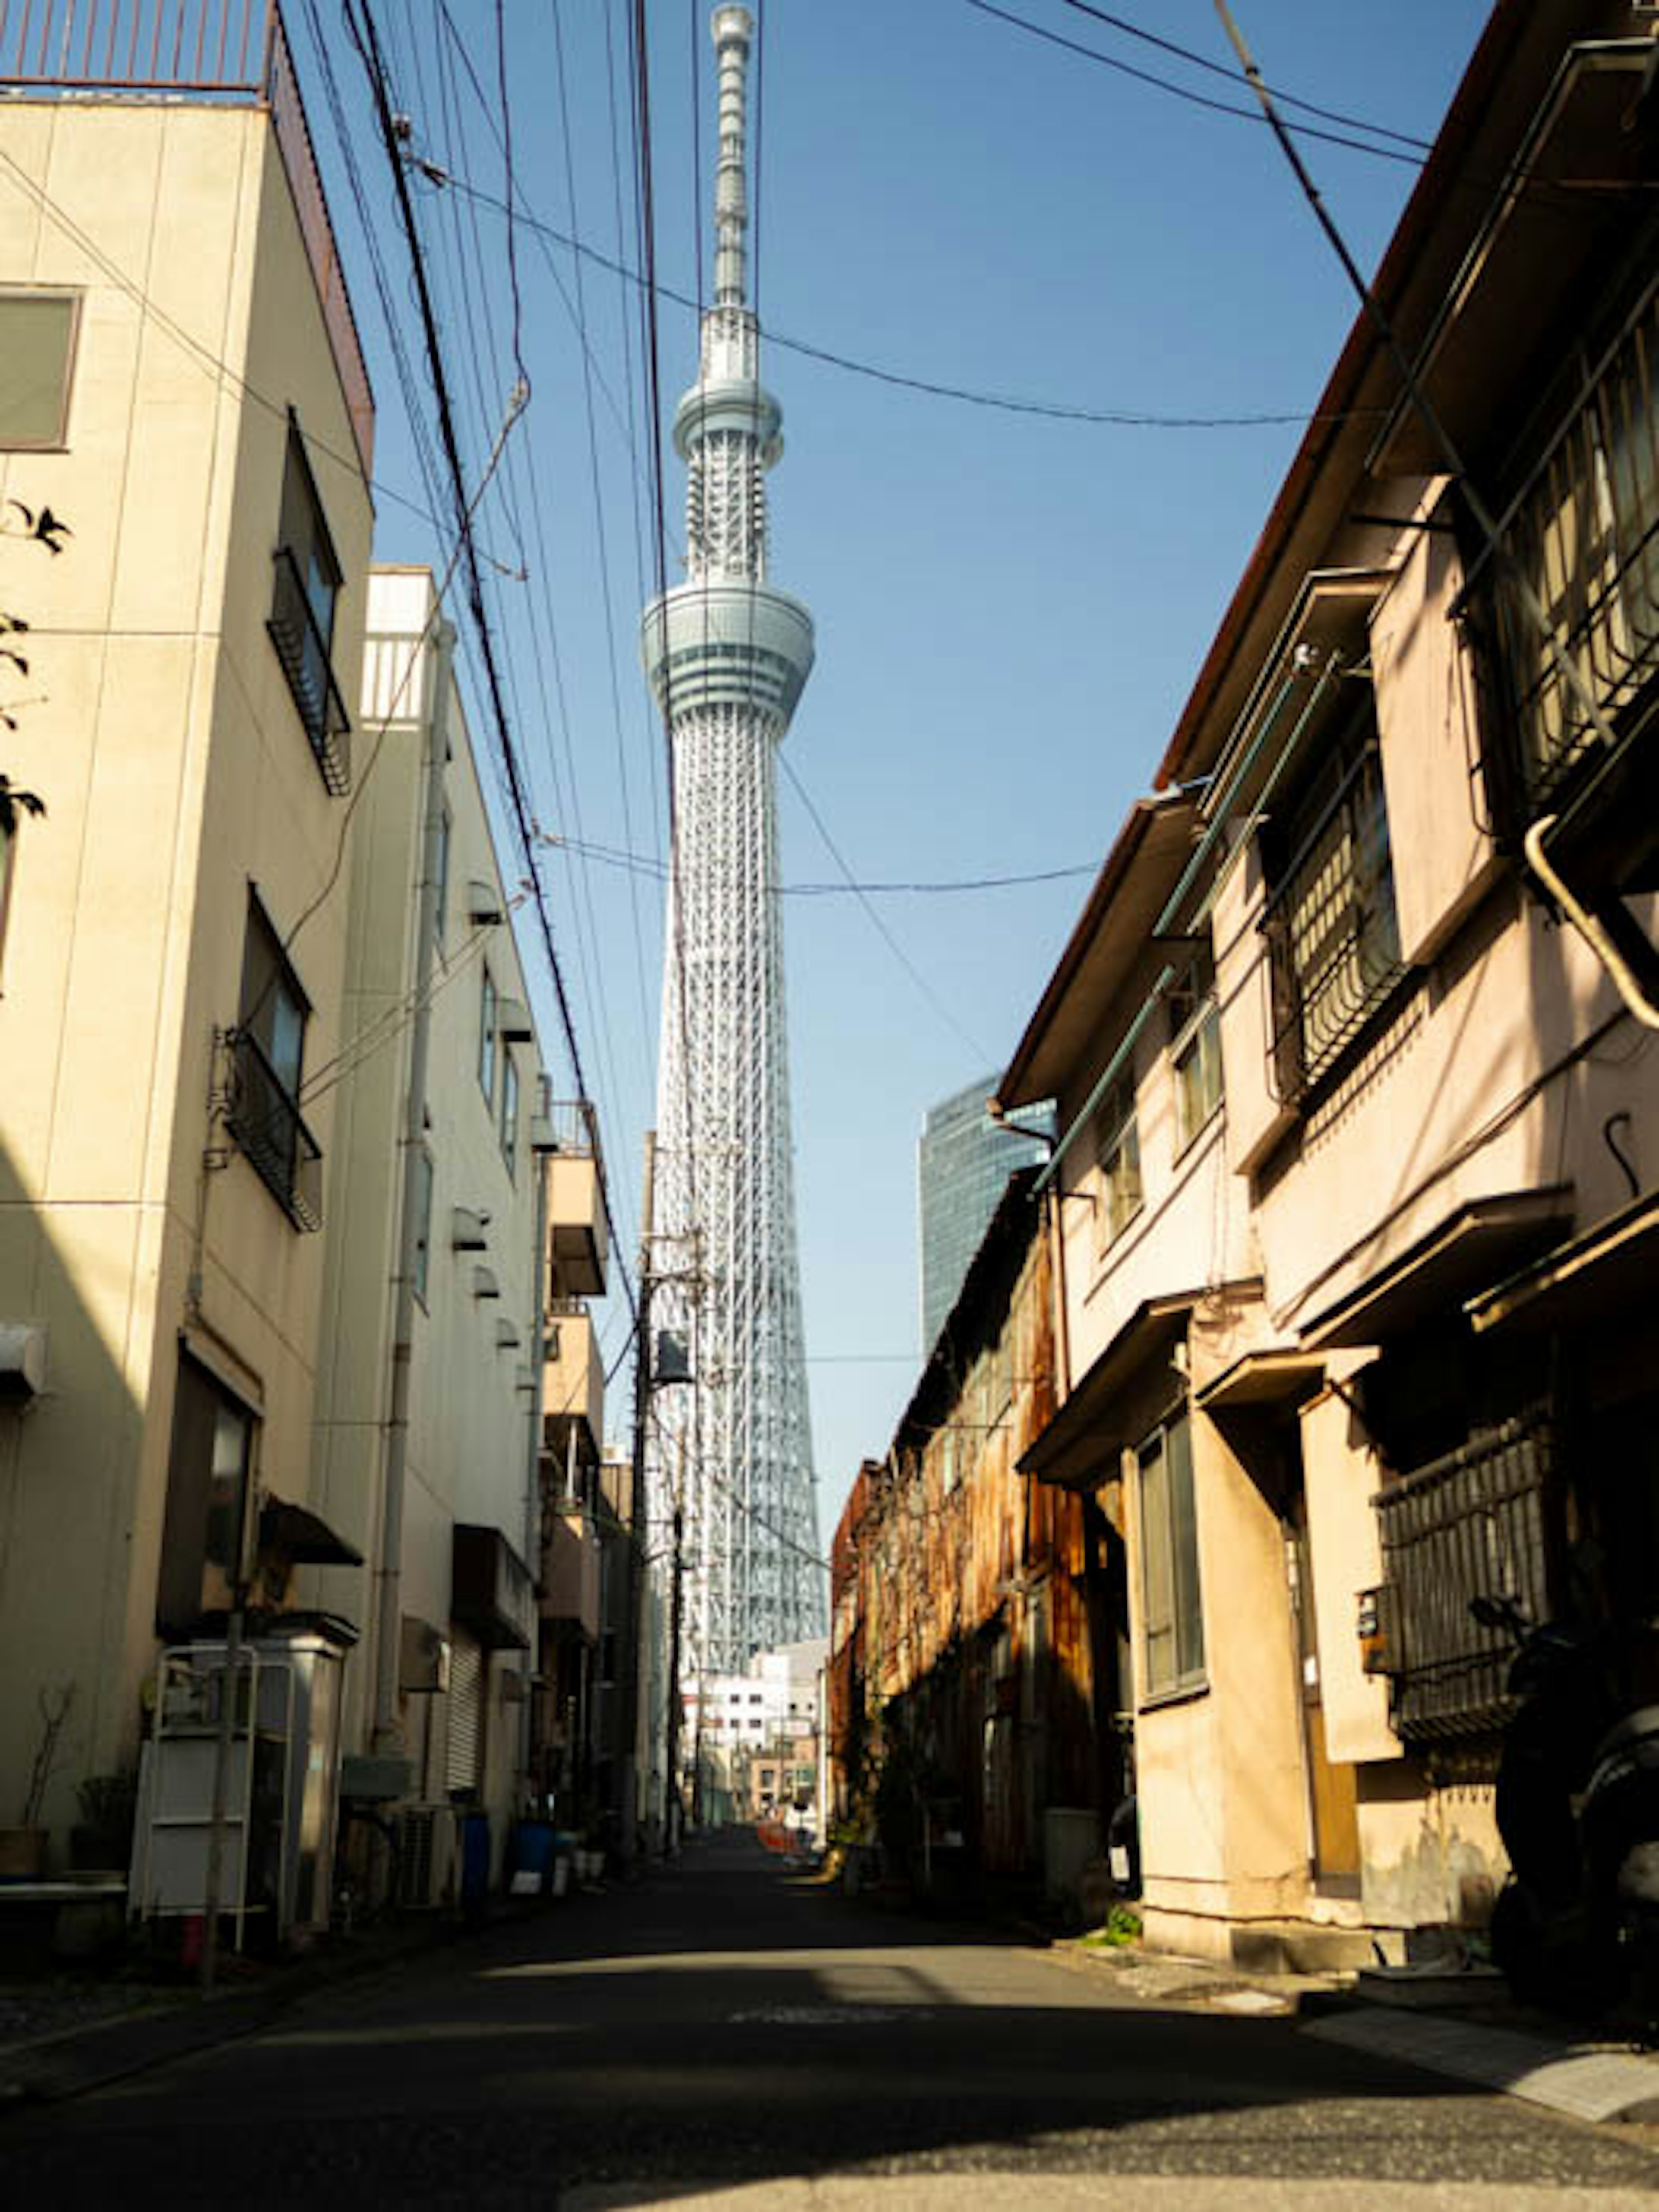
(959, 1584)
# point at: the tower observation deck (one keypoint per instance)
(727, 655)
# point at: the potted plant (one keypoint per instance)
(103, 1840)
(24, 1849)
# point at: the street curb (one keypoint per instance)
(1590, 2084)
(70, 2062)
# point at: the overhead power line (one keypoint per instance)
(616, 856)
(1123, 418)
(360, 25)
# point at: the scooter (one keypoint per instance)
(1575, 1929)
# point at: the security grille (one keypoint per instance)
(1470, 1524)
(463, 1755)
(1584, 533)
(1333, 938)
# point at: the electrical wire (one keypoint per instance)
(879, 926)
(619, 857)
(363, 28)
(1235, 76)
(1184, 92)
(1123, 418)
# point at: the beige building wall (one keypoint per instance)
(176, 773)
(473, 1398)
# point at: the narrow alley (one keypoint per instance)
(727, 2026)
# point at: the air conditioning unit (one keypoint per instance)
(23, 1362)
(423, 1658)
(429, 1857)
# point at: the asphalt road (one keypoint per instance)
(725, 2032)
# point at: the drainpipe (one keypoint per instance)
(532, 1500)
(388, 1603)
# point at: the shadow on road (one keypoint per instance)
(724, 2023)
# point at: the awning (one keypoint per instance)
(1081, 1446)
(492, 1593)
(1263, 1379)
(1481, 1240)
(1609, 1268)
(299, 1535)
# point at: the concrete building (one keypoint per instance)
(964, 1161)
(1352, 1202)
(438, 1493)
(196, 411)
(764, 1720)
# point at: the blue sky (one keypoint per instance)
(1010, 610)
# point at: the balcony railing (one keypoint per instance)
(1584, 535)
(265, 1123)
(233, 51)
(1332, 935)
(1471, 1524)
(304, 653)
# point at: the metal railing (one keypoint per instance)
(262, 1118)
(1583, 533)
(304, 653)
(568, 1125)
(1333, 936)
(1470, 1524)
(228, 51)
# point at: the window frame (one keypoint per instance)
(25, 294)
(488, 1026)
(425, 1177)
(1328, 921)
(441, 887)
(507, 1127)
(8, 843)
(201, 1548)
(303, 635)
(1118, 1147)
(1196, 1037)
(262, 1115)
(1167, 1543)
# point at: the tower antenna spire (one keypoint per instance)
(732, 30)
(727, 654)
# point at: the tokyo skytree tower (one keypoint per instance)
(728, 656)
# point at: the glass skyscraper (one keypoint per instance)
(964, 1162)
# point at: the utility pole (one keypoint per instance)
(644, 1362)
(671, 1788)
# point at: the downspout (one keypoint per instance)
(1590, 927)
(388, 1615)
(532, 1497)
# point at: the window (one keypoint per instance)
(301, 625)
(1172, 1620)
(1194, 1048)
(1119, 1161)
(509, 1111)
(1333, 938)
(37, 333)
(205, 1536)
(268, 1053)
(422, 1222)
(1584, 534)
(1475, 1522)
(487, 1003)
(7, 860)
(440, 892)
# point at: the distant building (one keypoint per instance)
(964, 1161)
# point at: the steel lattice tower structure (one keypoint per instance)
(727, 655)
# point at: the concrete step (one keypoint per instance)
(1299, 1947)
